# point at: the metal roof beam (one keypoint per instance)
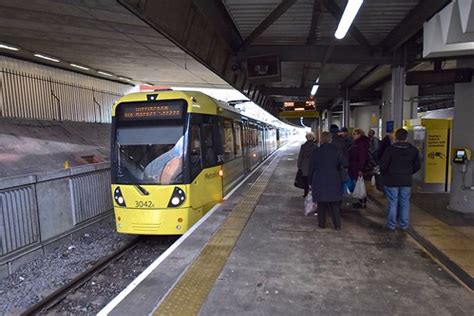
(314, 22)
(340, 54)
(359, 73)
(272, 17)
(336, 12)
(412, 23)
(322, 92)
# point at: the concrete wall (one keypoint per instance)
(366, 117)
(38, 209)
(29, 147)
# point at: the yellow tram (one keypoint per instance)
(175, 154)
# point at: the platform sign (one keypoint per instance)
(390, 127)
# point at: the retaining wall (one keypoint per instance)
(36, 210)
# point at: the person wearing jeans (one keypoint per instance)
(397, 165)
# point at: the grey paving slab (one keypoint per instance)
(284, 265)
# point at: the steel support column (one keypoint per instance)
(346, 109)
(398, 84)
(329, 118)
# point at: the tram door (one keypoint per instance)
(246, 138)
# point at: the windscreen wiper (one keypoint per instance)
(142, 189)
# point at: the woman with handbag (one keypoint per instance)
(304, 160)
(358, 157)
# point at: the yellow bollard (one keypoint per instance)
(66, 164)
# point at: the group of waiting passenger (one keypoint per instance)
(331, 166)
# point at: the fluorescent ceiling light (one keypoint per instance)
(124, 78)
(348, 16)
(105, 73)
(47, 58)
(9, 47)
(299, 109)
(79, 66)
(314, 89)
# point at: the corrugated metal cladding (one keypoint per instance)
(377, 18)
(291, 28)
(91, 195)
(19, 225)
(33, 91)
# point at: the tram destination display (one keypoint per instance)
(167, 111)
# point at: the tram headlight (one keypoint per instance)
(177, 198)
(118, 197)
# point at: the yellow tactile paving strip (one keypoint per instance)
(192, 289)
(456, 242)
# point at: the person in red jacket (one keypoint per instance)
(358, 156)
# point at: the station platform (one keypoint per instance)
(448, 235)
(257, 254)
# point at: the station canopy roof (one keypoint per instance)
(211, 43)
(100, 35)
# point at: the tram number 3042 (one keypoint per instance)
(144, 204)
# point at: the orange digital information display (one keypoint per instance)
(152, 112)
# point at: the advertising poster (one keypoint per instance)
(436, 155)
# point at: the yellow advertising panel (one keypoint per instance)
(436, 155)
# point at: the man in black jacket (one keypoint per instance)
(398, 164)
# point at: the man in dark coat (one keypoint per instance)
(384, 144)
(342, 143)
(398, 164)
(304, 159)
(325, 177)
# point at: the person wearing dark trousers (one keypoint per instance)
(304, 159)
(398, 164)
(326, 182)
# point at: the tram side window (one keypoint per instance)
(238, 139)
(195, 151)
(252, 136)
(228, 141)
(208, 146)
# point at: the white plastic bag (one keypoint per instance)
(309, 205)
(360, 191)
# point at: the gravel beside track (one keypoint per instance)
(38, 278)
(91, 297)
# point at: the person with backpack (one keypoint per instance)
(398, 164)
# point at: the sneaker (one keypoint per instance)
(390, 230)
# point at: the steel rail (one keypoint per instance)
(59, 294)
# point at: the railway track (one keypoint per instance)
(69, 297)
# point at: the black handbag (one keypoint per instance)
(299, 183)
(379, 182)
